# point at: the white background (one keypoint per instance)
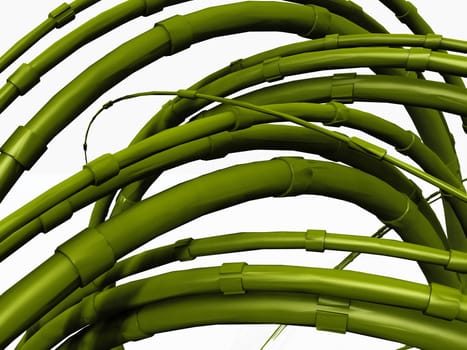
(115, 128)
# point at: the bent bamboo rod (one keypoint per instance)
(180, 250)
(108, 166)
(67, 317)
(275, 68)
(339, 115)
(349, 87)
(57, 18)
(346, 85)
(289, 308)
(56, 205)
(176, 110)
(352, 87)
(137, 262)
(105, 22)
(351, 11)
(271, 68)
(241, 278)
(134, 192)
(297, 64)
(64, 190)
(425, 120)
(27, 144)
(444, 148)
(95, 250)
(333, 114)
(279, 67)
(336, 114)
(211, 147)
(29, 74)
(428, 160)
(336, 41)
(407, 13)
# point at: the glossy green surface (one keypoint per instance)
(75, 289)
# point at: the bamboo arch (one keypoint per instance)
(73, 298)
